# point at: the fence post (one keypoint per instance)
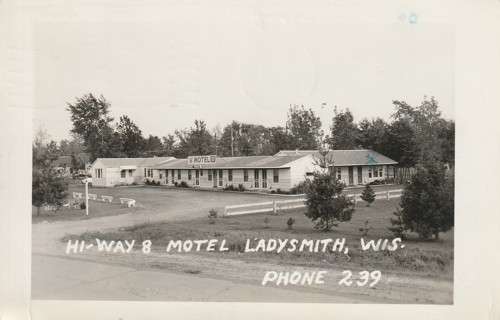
(274, 207)
(388, 192)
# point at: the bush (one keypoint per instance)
(290, 223)
(83, 205)
(134, 183)
(241, 187)
(301, 188)
(229, 188)
(176, 184)
(212, 214)
(183, 184)
(397, 224)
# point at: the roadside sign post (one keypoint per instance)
(87, 197)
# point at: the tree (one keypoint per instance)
(372, 134)
(130, 138)
(427, 201)
(91, 121)
(325, 202)
(303, 129)
(154, 146)
(368, 195)
(426, 123)
(195, 141)
(169, 144)
(48, 186)
(344, 132)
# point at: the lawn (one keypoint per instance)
(426, 257)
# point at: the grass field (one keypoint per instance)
(417, 256)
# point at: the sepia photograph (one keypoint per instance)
(246, 159)
(274, 167)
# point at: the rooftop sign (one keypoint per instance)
(201, 159)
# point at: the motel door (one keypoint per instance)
(351, 176)
(360, 175)
(197, 181)
(214, 177)
(256, 178)
(264, 179)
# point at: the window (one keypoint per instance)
(130, 173)
(230, 175)
(201, 172)
(145, 173)
(122, 173)
(338, 173)
(166, 174)
(209, 175)
(276, 176)
(98, 173)
(189, 174)
(376, 172)
(161, 175)
(149, 173)
(221, 175)
(380, 172)
(245, 175)
(178, 174)
(370, 172)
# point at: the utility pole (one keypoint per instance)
(232, 142)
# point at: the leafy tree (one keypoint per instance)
(368, 195)
(195, 141)
(427, 201)
(325, 202)
(73, 146)
(426, 123)
(169, 144)
(344, 132)
(91, 121)
(303, 129)
(130, 137)
(154, 146)
(372, 134)
(48, 186)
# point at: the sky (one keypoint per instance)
(164, 75)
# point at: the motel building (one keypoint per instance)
(352, 167)
(282, 171)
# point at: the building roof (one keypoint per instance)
(345, 157)
(118, 162)
(265, 162)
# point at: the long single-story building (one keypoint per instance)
(109, 172)
(253, 172)
(353, 167)
(282, 171)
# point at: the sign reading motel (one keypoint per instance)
(201, 159)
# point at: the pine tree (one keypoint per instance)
(398, 227)
(427, 201)
(368, 195)
(325, 202)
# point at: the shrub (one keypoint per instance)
(229, 188)
(183, 184)
(134, 183)
(301, 188)
(368, 195)
(176, 184)
(365, 229)
(212, 213)
(290, 223)
(83, 205)
(398, 227)
(241, 187)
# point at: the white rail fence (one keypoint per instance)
(279, 205)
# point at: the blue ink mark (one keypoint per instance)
(413, 18)
(371, 159)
